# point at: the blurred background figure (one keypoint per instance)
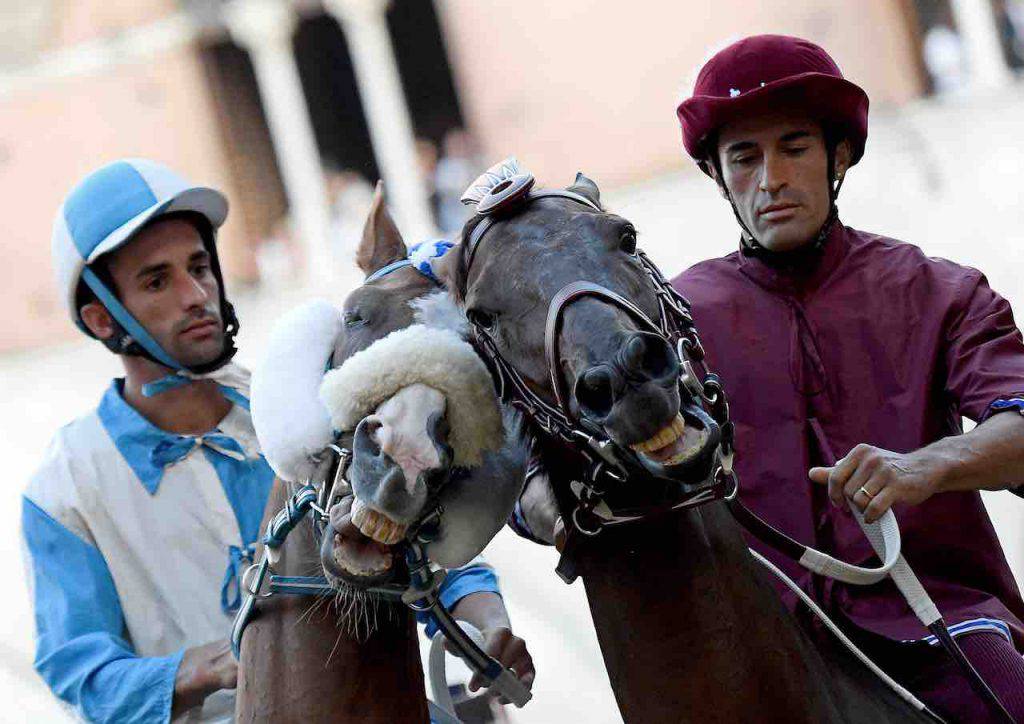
(1010, 16)
(426, 161)
(944, 57)
(349, 196)
(459, 164)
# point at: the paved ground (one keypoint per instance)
(946, 177)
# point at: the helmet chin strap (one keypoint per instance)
(753, 248)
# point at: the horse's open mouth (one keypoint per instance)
(675, 443)
(358, 544)
(680, 446)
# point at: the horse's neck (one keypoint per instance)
(691, 632)
(297, 665)
(689, 627)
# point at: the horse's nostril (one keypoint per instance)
(368, 435)
(595, 391)
(438, 427)
(650, 357)
(633, 354)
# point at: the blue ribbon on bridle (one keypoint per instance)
(419, 258)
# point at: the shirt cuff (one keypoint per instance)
(170, 665)
(459, 583)
(1004, 404)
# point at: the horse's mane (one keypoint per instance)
(460, 268)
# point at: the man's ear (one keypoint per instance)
(712, 170)
(98, 320)
(844, 153)
(381, 243)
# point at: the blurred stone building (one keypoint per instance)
(257, 97)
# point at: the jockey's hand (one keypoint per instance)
(510, 651)
(203, 670)
(486, 611)
(874, 479)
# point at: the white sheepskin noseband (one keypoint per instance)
(434, 356)
(291, 423)
(296, 419)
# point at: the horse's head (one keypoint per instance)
(535, 284)
(417, 408)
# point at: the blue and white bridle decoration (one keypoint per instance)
(419, 258)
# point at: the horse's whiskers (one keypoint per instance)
(357, 612)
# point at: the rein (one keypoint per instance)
(503, 196)
(316, 498)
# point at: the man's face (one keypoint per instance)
(164, 279)
(776, 169)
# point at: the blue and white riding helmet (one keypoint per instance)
(102, 213)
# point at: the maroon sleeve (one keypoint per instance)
(984, 350)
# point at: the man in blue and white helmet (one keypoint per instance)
(144, 513)
(134, 542)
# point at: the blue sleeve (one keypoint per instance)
(81, 651)
(459, 583)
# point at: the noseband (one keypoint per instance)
(608, 465)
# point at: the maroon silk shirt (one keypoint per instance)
(868, 341)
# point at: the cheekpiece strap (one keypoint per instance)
(385, 270)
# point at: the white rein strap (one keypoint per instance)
(441, 695)
(884, 535)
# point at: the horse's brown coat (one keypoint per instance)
(298, 665)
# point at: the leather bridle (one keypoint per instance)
(608, 465)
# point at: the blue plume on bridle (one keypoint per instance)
(419, 259)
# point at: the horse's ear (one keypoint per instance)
(381, 243)
(586, 188)
(445, 268)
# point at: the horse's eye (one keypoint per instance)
(627, 242)
(484, 320)
(352, 318)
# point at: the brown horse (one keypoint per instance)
(354, 656)
(689, 626)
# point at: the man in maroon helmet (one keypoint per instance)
(849, 360)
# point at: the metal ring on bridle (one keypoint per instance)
(506, 194)
(585, 531)
(721, 475)
(247, 581)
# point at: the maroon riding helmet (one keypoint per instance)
(766, 70)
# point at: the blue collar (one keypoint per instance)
(134, 436)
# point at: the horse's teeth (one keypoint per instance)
(665, 436)
(376, 525)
